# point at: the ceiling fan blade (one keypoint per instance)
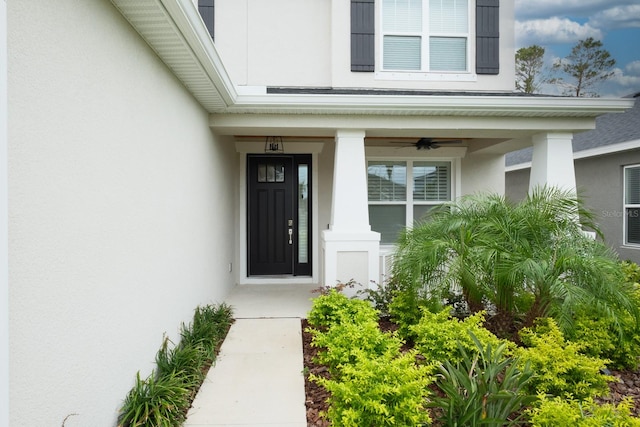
(427, 143)
(446, 141)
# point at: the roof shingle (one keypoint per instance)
(610, 129)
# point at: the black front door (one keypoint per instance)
(278, 214)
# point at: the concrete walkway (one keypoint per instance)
(257, 379)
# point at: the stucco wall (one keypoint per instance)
(517, 184)
(4, 277)
(309, 44)
(276, 42)
(482, 174)
(600, 184)
(120, 200)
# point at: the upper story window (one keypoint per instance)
(632, 205)
(402, 192)
(425, 35)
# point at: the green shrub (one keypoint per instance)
(164, 398)
(614, 338)
(561, 370)
(406, 310)
(485, 388)
(334, 308)
(631, 271)
(210, 324)
(599, 337)
(379, 391)
(382, 295)
(344, 342)
(440, 337)
(185, 362)
(155, 402)
(562, 412)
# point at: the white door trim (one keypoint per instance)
(257, 147)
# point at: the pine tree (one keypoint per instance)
(587, 65)
(529, 68)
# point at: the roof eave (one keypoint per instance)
(472, 105)
(176, 32)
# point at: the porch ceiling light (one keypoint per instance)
(273, 144)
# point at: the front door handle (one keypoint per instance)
(291, 236)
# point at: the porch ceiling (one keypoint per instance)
(175, 31)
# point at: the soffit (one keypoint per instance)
(169, 30)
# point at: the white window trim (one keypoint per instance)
(626, 206)
(454, 185)
(424, 74)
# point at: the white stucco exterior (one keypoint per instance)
(309, 45)
(120, 206)
(128, 134)
(4, 238)
(479, 174)
(280, 42)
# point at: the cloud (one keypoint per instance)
(630, 77)
(617, 17)
(633, 68)
(624, 81)
(554, 30)
(532, 9)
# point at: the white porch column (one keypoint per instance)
(552, 162)
(350, 250)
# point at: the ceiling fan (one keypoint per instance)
(433, 143)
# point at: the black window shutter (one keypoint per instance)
(487, 36)
(206, 8)
(362, 35)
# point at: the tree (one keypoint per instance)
(521, 261)
(586, 65)
(529, 63)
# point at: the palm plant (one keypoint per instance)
(486, 388)
(524, 260)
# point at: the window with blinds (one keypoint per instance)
(425, 35)
(402, 192)
(632, 204)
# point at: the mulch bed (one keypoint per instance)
(628, 385)
(316, 396)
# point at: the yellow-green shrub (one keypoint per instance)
(631, 271)
(617, 339)
(335, 308)
(556, 412)
(379, 391)
(561, 370)
(344, 342)
(439, 337)
(598, 337)
(406, 309)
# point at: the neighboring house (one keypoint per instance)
(607, 171)
(151, 168)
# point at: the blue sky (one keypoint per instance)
(557, 25)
